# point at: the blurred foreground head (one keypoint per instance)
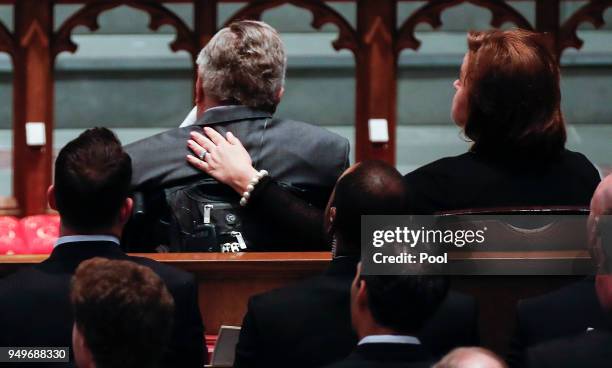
(472, 357)
(123, 315)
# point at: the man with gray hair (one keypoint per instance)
(241, 74)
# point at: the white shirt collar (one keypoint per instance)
(220, 107)
(86, 238)
(392, 339)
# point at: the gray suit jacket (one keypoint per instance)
(293, 152)
(304, 156)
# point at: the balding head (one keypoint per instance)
(601, 209)
(471, 358)
(600, 241)
(366, 188)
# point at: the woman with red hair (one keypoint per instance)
(507, 102)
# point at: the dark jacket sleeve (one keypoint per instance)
(518, 343)
(187, 345)
(288, 211)
(249, 347)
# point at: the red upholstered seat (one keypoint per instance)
(30, 235)
(211, 341)
(11, 236)
(40, 233)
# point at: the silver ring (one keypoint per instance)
(202, 154)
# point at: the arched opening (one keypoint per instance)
(586, 88)
(6, 118)
(123, 76)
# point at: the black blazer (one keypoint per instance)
(36, 310)
(381, 355)
(309, 324)
(568, 311)
(307, 157)
(473, 181)
(586, 350)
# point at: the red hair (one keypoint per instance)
(512, 81)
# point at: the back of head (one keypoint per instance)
(404, 303)
(512, 79)
(600, 242)
(245, 64)
(366, 188)
(123, 311)
(471, 357)
(92, 181)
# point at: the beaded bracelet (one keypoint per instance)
(246, 195)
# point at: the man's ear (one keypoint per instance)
(200, 96)
(51, 197)
(280, 94)
(82, 354)
(361, 295)
(126, 210)
(331, 221)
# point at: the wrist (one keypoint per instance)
(246, 195)
(241, 183)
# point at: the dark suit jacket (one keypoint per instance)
(564, 312)
(309, 324)
(586, 350)
(36, 310)
(470, 181)
(379, 355)
(307, 157)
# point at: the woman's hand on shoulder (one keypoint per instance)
(223, 158)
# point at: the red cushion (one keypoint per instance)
(11, 236)
(40, 233)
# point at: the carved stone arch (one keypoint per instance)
(592, 13)
(7, 41)
(159, 15)
(321, 15)
(430, 13)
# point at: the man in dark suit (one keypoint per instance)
(240, 82)
(387, 312)
(90, 191)
(578, 315)
(308, 324)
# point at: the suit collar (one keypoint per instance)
(67, 256)
(222, 114)
(343, 266)
(392, 352)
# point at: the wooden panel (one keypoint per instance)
(226, 281)
(32, 102)
(376, 84)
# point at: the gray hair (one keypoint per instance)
(244, 63)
